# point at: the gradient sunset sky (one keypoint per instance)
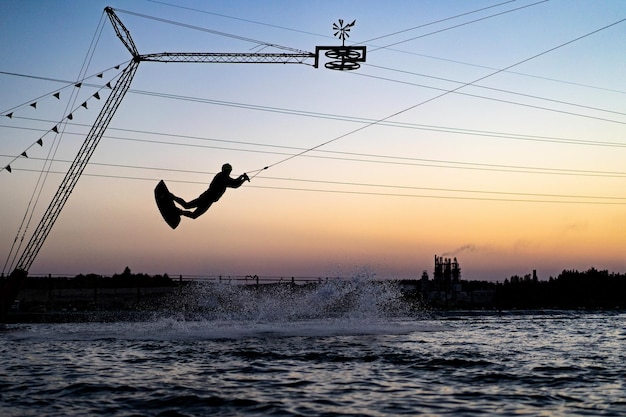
(491, 131)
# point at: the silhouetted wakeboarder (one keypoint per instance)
(165, 199)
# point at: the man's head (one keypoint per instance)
(226, 168)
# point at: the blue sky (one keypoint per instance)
(521, 170)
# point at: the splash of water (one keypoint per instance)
(358, 298)
(222, 310)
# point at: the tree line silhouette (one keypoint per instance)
(571, 289)
(127, 279)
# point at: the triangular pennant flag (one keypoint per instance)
(33, 105)
(8, 168)
(40, 142)
(10, 115)
(84, 104)
(96, 95)
(117, 67)
(79, 85)
(70, 116)
(57, 95)
(99, 75)
(24, 154)
(109, 85)
(55, 129)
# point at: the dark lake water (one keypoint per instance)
(280, 359)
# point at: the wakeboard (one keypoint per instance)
(165, 203)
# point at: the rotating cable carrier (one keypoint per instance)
(346, 58)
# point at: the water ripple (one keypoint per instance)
(496, 365)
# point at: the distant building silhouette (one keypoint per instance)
(447, 274)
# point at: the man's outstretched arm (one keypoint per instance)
(237, 182)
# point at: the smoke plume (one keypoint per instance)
(464, 248)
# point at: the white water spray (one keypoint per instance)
(358, 298)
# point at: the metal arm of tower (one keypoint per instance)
(231, 58)
(77, 167)
(343, 58)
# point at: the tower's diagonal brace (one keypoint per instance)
(77, 167)
(122, 32)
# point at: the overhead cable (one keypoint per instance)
(593, 200)
(442, 95)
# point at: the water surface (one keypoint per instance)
(507, 364)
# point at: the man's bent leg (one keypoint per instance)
(185, 204)
(197, 212)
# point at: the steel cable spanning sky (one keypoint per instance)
(375, 158)
(364, 120)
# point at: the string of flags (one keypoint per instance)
(69, 116)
